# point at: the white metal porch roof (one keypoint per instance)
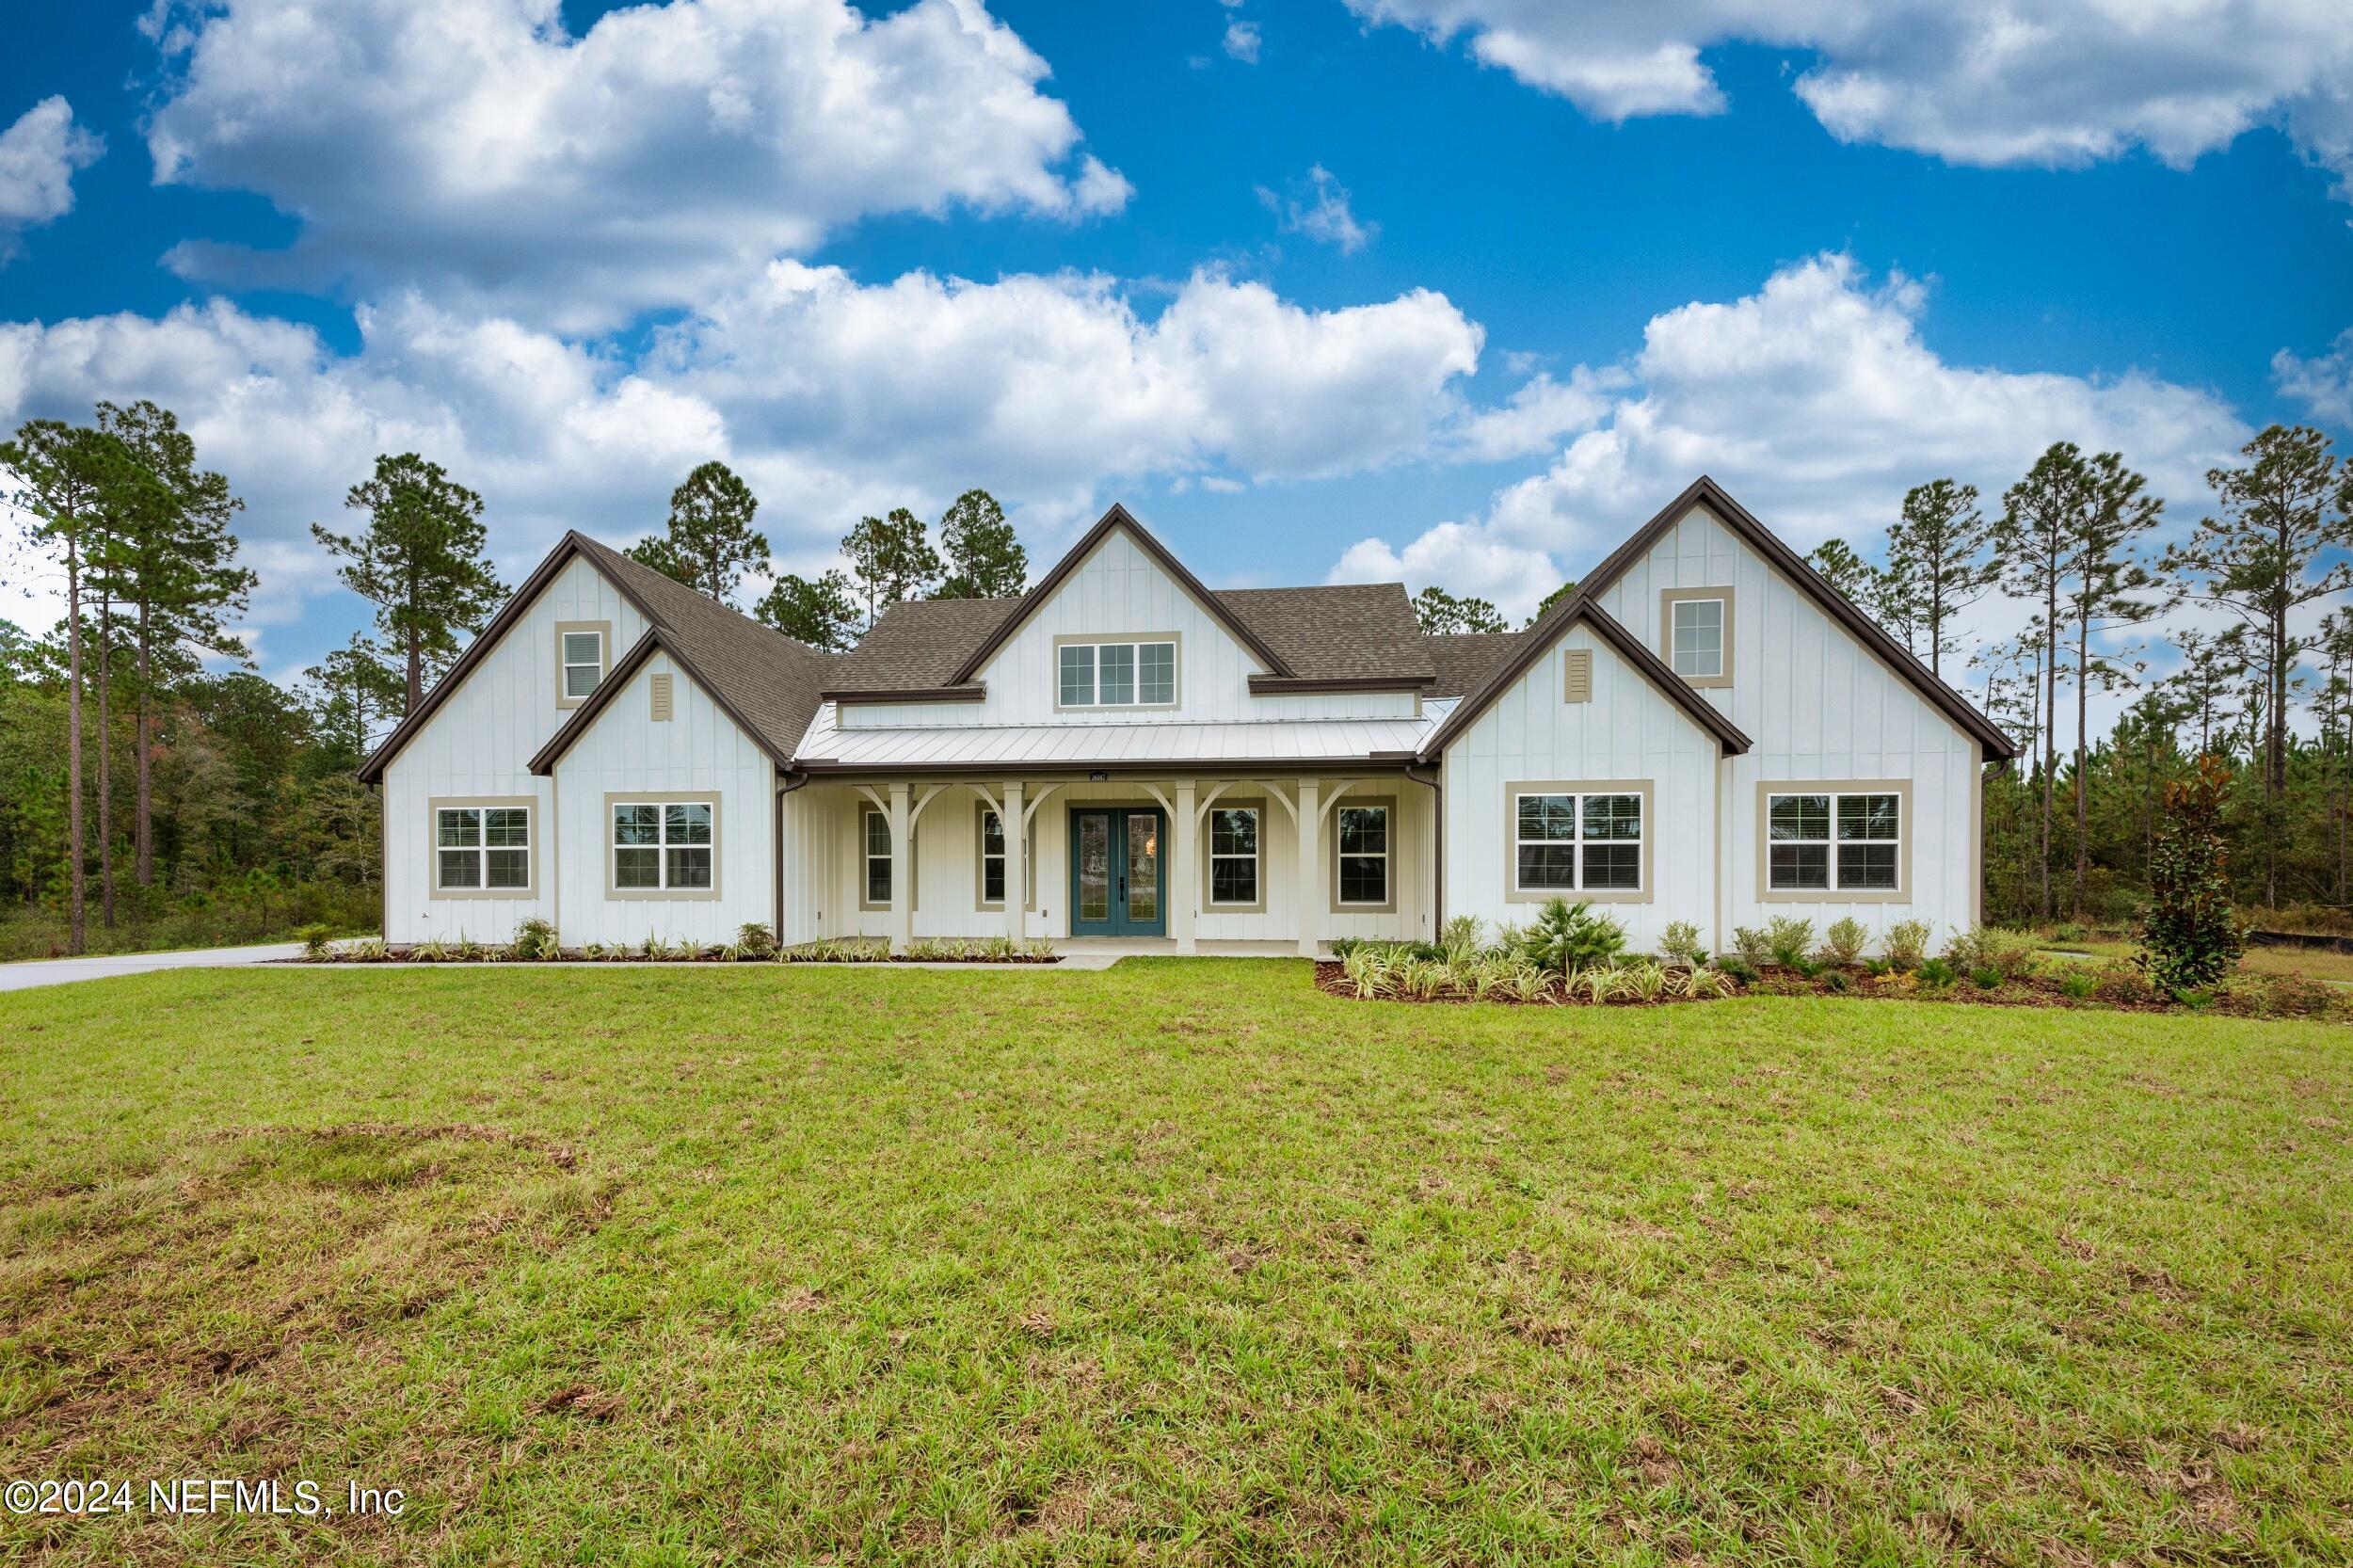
(1336, 741)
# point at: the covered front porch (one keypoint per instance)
(1167, 862)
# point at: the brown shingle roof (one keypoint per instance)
(1466, 660)
(918, 644)
(1345, 632)
(768, 682)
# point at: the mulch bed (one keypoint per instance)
(2270, 997)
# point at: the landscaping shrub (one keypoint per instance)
(533, 938)
(1837, 981)
(2080, 987)
(1906, 944)
(1987, 978)
(1458, 941)
(1737, 967)
(314, 938)
(753, 940)
(1680, 944)
(1788, 938)
(2193, 937)
(1936, 973)
(1844, 941)
(2008, 953)
(1567, 937)
(1754, 948)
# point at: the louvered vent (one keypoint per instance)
(660, 685)
(1577, 676)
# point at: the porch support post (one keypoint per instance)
(1307, 825)
(1183, 872)
(1017, 862)
(901, 870)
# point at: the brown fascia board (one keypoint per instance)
(972, 691)
(371, 770)
(1118, 517)
(1613, 631)
(1276, 685)
(618, 677)
(1998, 747)
(997, 767)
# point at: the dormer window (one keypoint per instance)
(582, 655)
(1095, 673)
(1698, 627)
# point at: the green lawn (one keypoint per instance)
(1180, 1262)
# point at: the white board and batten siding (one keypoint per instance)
(479, 745)
(1818, 706)
(1119, 593)
(698, 753)
(1628, 731)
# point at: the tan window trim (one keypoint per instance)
(1514, 893)
(603, 629)
(662, 797)
(433, 810)
(868, 810)
(1900, 787)
(1667, 599)
(982, 811)
(1208, 828)
(1054, 672)
(1332, 849)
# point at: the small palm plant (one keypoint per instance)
(1567, 937)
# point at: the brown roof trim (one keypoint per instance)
(1118, 517)
(1276, 685)
(371, 770)
(1539, 637)
(1382, 761)
(972, 690)
(1630, 647)
(617, 677)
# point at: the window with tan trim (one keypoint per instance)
(583, 653)
(1575, 838)
(482, 848)
(992, 854)
(1695, 633)
(1361, 834)
(663, 846)
(1234, 858)
(1834, 841)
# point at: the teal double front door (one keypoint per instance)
(1116, 871)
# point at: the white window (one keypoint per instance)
(1116, 675)
(661, 846)
(993, 858)
(1696, 644)
(1362, 833)
(482, 849)
(1234, 855)
(1573, 843)
(584, 662)
(877, 858)
(1834, 841)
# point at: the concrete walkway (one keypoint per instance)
(58, 971)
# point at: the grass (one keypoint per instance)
(1183, 1261)
(2306, 963)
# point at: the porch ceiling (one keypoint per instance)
(1336, 741)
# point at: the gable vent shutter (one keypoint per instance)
(661, 687)
(1577, 676)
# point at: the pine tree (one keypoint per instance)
(2106, 581)
(1543, 606)
(820, 614)
(983, 559)
(1936, 561)
(2032, 539)
(709, 542)
(420, 560)
(61, 472)
(1441, 614)
(890, 559)
(177, 571)
(2260, 559)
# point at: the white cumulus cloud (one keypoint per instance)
(2323, 384)
(1987, 81)
(475, 149)
(1816, 402)
(38, 158)
(1318, 208)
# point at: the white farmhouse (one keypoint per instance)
(1703, 730)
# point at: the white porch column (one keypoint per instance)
(1017, 862)
(1308, 827)
(1184, 873)
(901, 872)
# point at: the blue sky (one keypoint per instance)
(1452, 290)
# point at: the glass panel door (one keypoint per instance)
(1090, 910)
(1144, 870)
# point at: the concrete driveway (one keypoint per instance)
(58, 971)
